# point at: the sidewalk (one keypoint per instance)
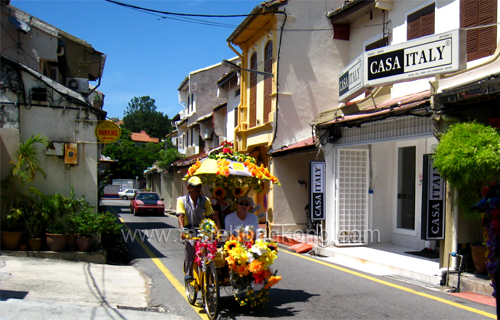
(34, 288)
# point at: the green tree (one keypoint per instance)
(132, 158)
(141, 114)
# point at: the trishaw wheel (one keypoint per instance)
(211, 292)
(191, 292)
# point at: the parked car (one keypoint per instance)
(127, 193)
(147, 203)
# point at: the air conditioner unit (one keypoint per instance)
(208, 134)
(78, 84)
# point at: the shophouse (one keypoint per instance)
(377, 141)
(45, 90)
(199, 128)
(288, 66)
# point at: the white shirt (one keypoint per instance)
(232, 222)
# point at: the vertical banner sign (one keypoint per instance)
(317, 191)
(433, 202)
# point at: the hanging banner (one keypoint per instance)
(317, 190)
(433, 202)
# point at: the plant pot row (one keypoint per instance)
(55, 242)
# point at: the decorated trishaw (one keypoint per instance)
(241, 261)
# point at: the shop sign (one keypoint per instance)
(351, 80)
(107, 131)
(317, 191)
(420, 58)
(433, 202)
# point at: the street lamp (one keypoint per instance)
(237, 67)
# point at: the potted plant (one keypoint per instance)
(34, 218)
(468, 158)
(23, 171)
(56, 236)
(11, 233)
(86, 224)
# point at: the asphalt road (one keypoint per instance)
(311, 288)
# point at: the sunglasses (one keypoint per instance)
(195, 187)
(246, 204)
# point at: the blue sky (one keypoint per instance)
(147, 55)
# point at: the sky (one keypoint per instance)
(147, 54)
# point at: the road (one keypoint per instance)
(311, 288)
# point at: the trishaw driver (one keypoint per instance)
(191, 209)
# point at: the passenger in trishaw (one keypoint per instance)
(242, 218)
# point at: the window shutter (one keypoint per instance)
(253, 91)
(481, 42)
(421, 23)
(268, 81)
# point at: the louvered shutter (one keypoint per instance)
(253, 91)
(481, 42)
(268, 81)
(421, 23)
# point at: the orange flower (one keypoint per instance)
(255, 266)
(242, 270)
(272, 281)
(230, 260)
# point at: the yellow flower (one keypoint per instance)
(219, 192)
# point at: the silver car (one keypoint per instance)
(127, 193)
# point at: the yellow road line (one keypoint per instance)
(173, 280)
(425, 295)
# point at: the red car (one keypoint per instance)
(147, 203)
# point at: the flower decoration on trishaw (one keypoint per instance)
(230, 175)
(249, 264)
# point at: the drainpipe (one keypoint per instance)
(454, 239)
(242, 96)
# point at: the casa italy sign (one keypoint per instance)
(317, 195)
(107, 131)
(419, 58)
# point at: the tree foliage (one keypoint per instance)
(468, 157)
(141, 114)
(134, 158)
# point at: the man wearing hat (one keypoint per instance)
(191, 209)
(242, 217)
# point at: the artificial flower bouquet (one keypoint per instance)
(249, 264)
(490, 220)
(207, 245)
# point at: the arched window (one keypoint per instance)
(253, 91)
(268, 81)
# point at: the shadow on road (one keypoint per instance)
(278, 298)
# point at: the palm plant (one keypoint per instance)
(23, 171)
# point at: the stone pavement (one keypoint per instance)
(35, 288)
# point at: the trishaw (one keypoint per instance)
(241, 262)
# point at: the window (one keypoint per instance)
(268, 81)
(253, 91)
(421, 23)
(481, 42)
(378, 44)
(191, 103)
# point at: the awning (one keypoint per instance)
(390, 108)
(306, 145)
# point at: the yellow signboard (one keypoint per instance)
(107, 131)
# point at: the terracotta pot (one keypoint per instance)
(23, 247)
(479, 258)
(57, 242)
(11, 239)
(34, 244)
(84, 243)
(72, 242)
